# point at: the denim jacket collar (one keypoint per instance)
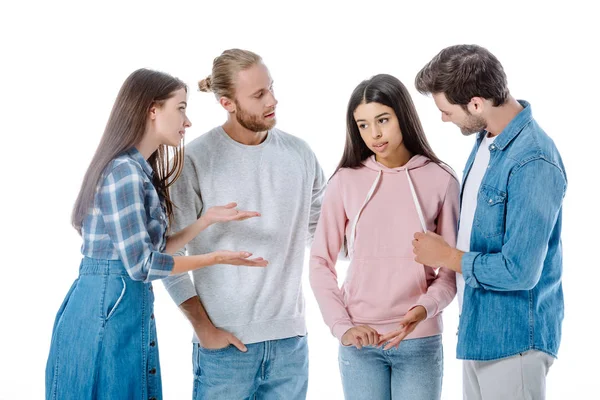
(511, 130)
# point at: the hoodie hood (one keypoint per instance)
(415, 162)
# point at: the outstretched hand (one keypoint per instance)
(227, 213)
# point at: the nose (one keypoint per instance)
(375, 131)
(272, 101)
(445, 118)
(187, 123)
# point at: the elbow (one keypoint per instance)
(527, 283)
(523, 276)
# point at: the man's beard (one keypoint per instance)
(254, 123)
(473, 125)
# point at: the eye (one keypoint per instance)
(362, 126)
(383, 120)
(259, 95)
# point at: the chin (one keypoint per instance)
(270, 124)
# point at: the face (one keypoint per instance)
(255, 102)
(467, 122)
(170, 119)
(380, 130)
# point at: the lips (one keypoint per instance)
(270, 114)
(380, 145)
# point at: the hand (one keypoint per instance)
(408, 324)
(227, 213)
(215, 339)
(238, 258)
(359, 336)
(431, 249)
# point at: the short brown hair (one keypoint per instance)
(462, 72)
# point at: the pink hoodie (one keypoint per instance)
(383, 280)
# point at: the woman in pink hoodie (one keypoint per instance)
(388, 185)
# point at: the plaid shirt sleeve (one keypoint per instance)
(121, 203)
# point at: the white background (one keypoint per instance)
(62, 65)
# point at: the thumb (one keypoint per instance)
(237, 343)
(231, 205)
(407, 319)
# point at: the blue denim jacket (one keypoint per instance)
(513, 299)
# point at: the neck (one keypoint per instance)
(396, 160)
(147, 145)
(501, 116)
(242, 135)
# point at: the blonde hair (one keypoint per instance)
(224, 71)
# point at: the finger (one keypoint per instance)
(357, 342)
(418, 235)
(230, 205)
(396, 341)
(389, 336)
(242, 215)
(415, 243)
(237, 343)
(365, 335)
(254, 263)
(373, 336)
(250, 212)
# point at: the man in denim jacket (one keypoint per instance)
(509, 242)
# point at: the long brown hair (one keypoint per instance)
(126, 125)
(387, 90)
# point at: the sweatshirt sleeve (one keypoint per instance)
(328, 240)
(187, 201)
(318, 188)
(443, 288)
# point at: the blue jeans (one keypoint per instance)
(412, 372)
(271, 370)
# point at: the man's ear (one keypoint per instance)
(227, 104)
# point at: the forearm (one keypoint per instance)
(195, 313)
(440, 293)
(190, 263)
(178, 240)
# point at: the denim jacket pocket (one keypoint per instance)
(491, 208)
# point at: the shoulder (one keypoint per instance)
(292, 143)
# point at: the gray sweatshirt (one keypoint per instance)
(281, 179)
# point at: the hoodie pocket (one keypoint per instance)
(382, 289)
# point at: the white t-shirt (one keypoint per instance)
(469, 204)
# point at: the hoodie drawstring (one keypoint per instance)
(369, 195)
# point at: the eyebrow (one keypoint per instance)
(377, 116)
(183, 102)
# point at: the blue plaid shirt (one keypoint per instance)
(128, 221)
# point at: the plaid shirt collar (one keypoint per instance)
(139, 158)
